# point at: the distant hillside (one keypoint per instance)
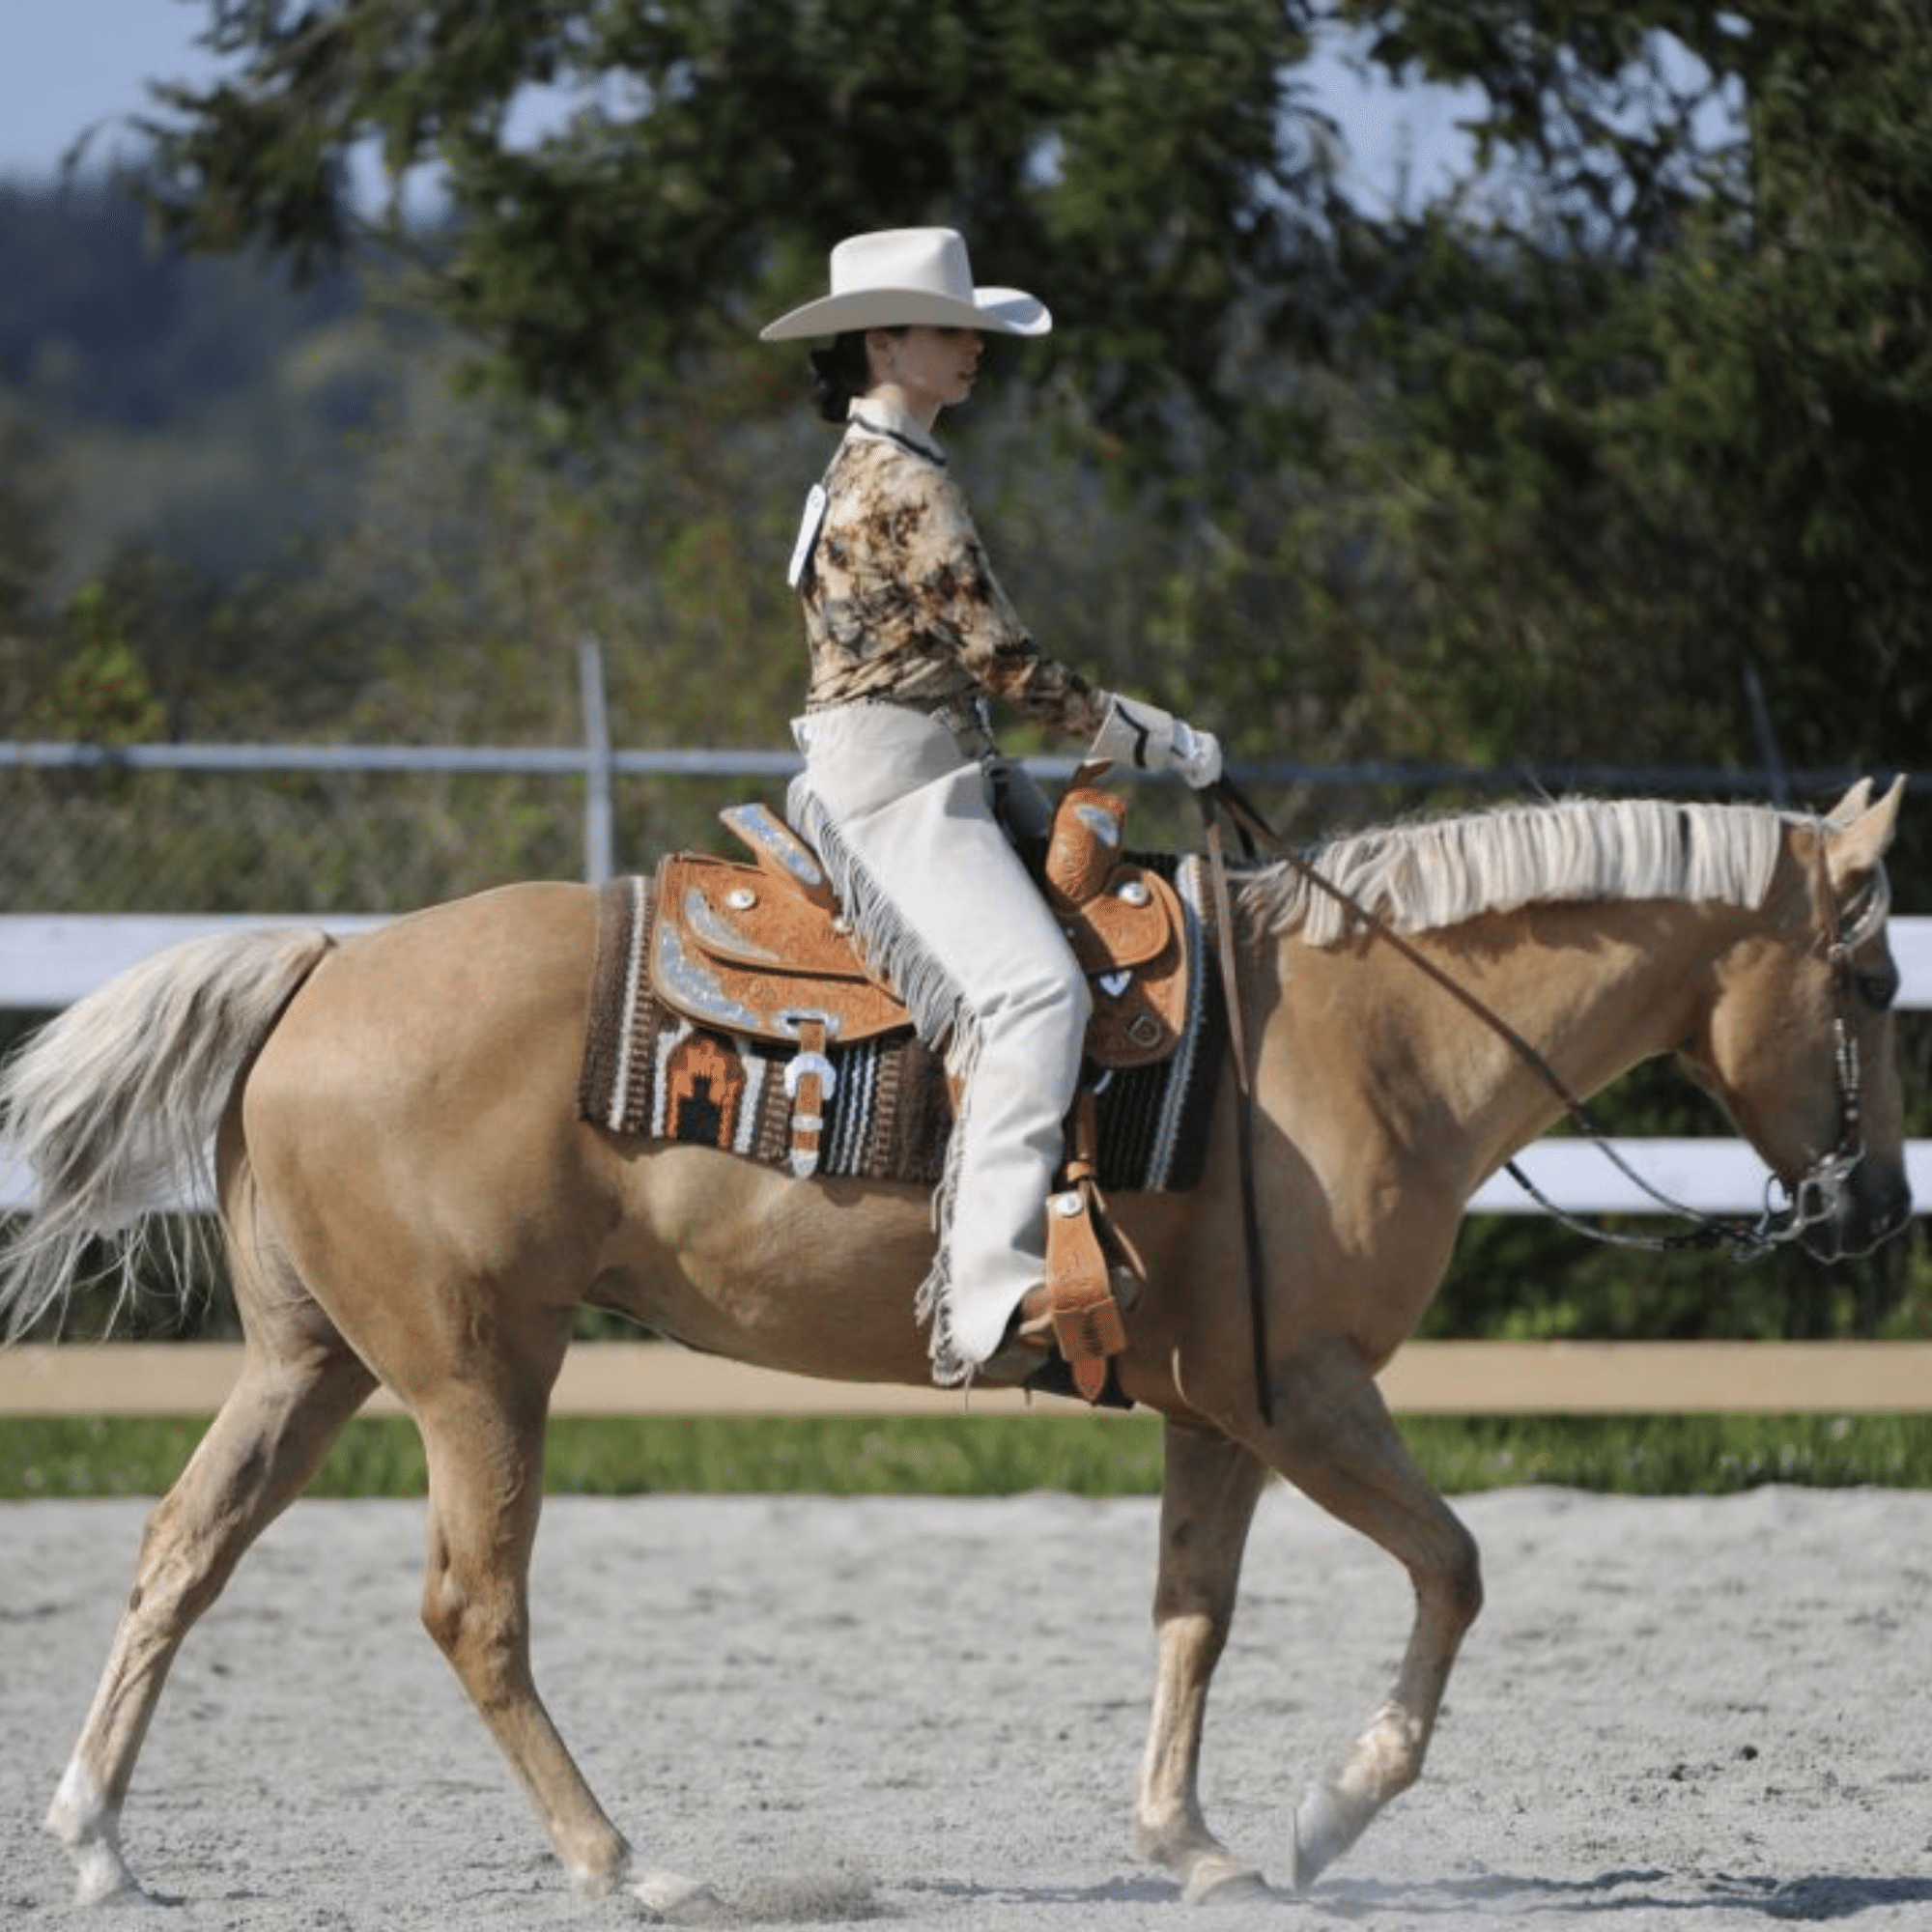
(201, 407)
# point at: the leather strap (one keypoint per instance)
(1082, 1244)
(810, 1079)
(1087, 1324)
(1244, 1105)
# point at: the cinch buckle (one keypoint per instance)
(802, 1064)
(802, 1023)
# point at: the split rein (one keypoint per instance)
(1810, 1199)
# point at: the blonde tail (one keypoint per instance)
(113, 1106)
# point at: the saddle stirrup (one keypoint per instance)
(1093, 1272)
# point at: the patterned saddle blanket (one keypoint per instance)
(686, 1069)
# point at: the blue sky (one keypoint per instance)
(66, 64)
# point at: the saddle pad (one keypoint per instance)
(649, 1072)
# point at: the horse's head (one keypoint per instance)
(1797, 1040)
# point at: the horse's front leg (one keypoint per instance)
(1335, 1440)
(1208, 1501)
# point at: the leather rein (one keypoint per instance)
(1812, 1198)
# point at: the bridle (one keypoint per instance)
(1815, 1196)
(1790, 1210)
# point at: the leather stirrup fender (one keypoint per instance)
(1087, 1324)
(1081, 1248)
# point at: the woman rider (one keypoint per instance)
(904, 791)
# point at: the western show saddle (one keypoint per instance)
(762, 950)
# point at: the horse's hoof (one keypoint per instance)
(101, 1877)
(92, 1889)
(1305, 1868)
(1223, 1880)
(682, 1901)
(1315, 1841)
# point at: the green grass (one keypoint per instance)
(1673, 1455)
(47, 1457)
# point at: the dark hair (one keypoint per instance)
(842, 372)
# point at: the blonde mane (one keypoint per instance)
(1438, 872)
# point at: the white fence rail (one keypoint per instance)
(50, 961)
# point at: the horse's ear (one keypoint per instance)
(1860, 831)
(1851, 805)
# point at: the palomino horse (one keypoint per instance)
(410, 1197)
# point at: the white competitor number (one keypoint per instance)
(808, 533)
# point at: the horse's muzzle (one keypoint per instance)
(1874, 1204)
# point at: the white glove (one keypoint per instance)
(1138, 733)
(1196, 756)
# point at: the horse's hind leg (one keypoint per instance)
(259, 1453)
(1208, 1501)
(483, 1434)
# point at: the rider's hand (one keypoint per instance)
(1138, 733)
(1194, 755)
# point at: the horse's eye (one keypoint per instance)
(1878, 990)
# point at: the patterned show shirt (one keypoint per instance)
(900, 601)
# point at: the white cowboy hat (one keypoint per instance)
(899, 275)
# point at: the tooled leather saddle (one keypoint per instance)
(762, 950)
